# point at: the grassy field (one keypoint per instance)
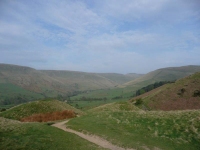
(126, 126)
(100, 97)
(13, 93)
(15, 135)
(37, 107)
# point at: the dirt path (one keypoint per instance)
(92, 138)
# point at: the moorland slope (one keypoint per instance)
(181, 95)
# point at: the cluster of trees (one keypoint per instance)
(151, 87)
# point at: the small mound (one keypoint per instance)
(37, 107)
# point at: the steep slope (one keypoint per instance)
(44, 81)
(37, 107)
(181, 95)
(164, 74)
(80, 80)
(30, 79)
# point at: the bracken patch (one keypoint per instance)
(50, 116)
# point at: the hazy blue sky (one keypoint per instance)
(119, 36)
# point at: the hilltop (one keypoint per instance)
(181, 95)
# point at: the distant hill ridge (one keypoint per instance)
(20, 84)
(163, 74)
(94, 80)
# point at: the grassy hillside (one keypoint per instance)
(126, 126)
(181, 95)
(81, 81)
(29, 80)
(34, 136)
(127, 91)
(13, 94)
(20, 84)
(37, 107)
(164, 74)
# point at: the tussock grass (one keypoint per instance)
(160, 129)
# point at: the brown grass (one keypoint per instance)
(176, 96)
(59, 115)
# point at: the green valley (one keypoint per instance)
(165, 115)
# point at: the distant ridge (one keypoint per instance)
(20, 84)
(163, 74)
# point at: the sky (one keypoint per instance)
(121, 36)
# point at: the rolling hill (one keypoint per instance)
(182, 95)
(20, 84)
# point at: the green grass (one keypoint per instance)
(42, 106)
(138, 129)
(15, 135)
(87, 105)
(11, 91)
(110, 95)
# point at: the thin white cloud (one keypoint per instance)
(100, 36)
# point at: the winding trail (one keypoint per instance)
(92, 138)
